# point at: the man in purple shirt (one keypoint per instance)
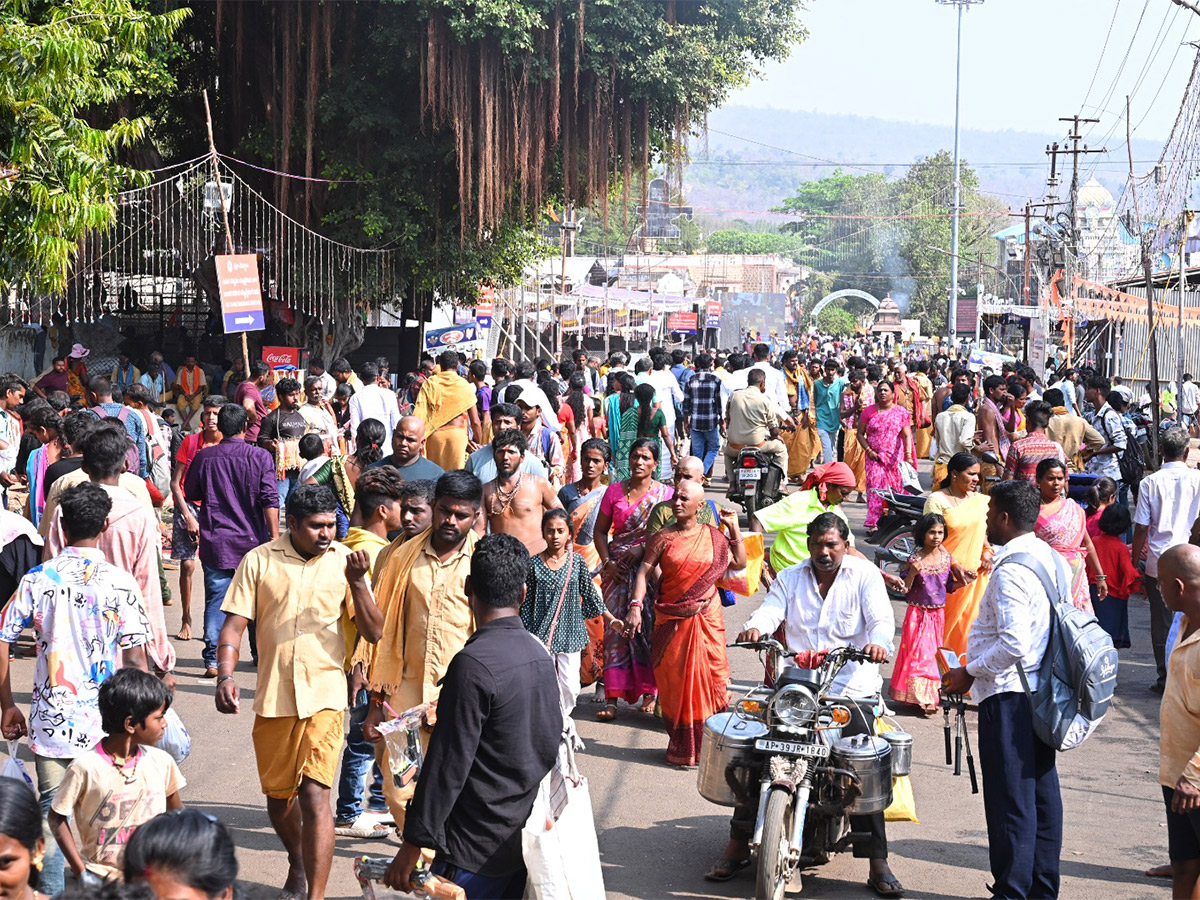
(234, 482)
(249, 396)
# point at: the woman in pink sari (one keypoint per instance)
(1062, 524)
(625, 509)
(885, 434)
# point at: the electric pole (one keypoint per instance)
(1075, 137)
(952, 308)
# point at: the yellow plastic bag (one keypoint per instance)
(904, 804)
(745, 581)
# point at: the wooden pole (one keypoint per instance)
(212, 150)
(1149, 275)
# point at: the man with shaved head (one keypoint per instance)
(690, 468)
(408, 447)
(1179, 744)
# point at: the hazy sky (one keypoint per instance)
(1025, 63)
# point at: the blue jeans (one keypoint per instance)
(357, 757)
(50, 773)
(828, 445)
(706, 445)
(286, 486)
(216, 583)
(1021, 799)
(481, 887)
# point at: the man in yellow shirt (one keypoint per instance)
(377, 511)
(297, 589)
(421, 585)
(1179, 744)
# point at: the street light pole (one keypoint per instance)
(952, 309)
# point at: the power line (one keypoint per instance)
(1103, 50)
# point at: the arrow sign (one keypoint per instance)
(241, 293)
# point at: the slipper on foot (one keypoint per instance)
(886, 887)
(725, 869)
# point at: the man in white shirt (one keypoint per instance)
(371, 401)
(316, 367)
(953, 431)
(1021, 798)
(12, 395)
(830, 600)
(667, 392)
(1189, 404)
(1168, 503)
(1111, 425)
(776, 383)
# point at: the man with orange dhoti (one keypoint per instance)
(804, 443)
(923, 433)
(446, 404)
(854, 401)
(908, 395)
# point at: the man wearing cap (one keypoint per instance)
(540, 440)
(77, 372)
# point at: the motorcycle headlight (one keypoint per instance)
(794, 705)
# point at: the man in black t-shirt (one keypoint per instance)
(280, 433)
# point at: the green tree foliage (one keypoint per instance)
(754, 242)
(837, 320)
(925, 241)
(64, 67)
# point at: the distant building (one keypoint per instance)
(887, 318)
(1107, 251)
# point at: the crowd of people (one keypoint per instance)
(480, 540)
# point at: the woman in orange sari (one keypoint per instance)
(964, 508)
(688, 643)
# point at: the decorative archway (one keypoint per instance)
(838, 295)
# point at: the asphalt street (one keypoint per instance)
(658, 835)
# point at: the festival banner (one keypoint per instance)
(241, 293)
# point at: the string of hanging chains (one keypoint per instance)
(150, 260)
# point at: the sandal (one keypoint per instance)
(886, 887)
(608, 713)
(725, 869)
(649, 705)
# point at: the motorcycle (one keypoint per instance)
(781, 751)
(755, 481)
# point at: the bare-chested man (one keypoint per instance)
(515, 501)
(991, 426)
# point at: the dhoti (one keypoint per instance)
(447, 447)
(922, 439)
(855, 459)
(802, 445)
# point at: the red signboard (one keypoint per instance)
(681, 321)
(281, 357)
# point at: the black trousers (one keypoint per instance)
(1021, 800)
(862, 721)
(1160, 625)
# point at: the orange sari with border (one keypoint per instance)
(688, 645)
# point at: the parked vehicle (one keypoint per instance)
(781, 750)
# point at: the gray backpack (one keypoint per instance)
(1078, 673)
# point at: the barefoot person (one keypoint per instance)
(300, 696)
(515, 501)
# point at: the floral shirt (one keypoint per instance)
(84, 612)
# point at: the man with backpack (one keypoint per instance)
(1021, 797)
(1111, 424)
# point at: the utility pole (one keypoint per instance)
(1185, 221)
(952, 308)
(1075, 137)
(1026, 260)
(1149, 275)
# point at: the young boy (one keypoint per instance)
(1120, 576)
(88, 621)
(124, 781)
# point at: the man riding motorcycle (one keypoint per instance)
(832, 599)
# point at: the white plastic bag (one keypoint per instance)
(562, 855)
(175, 739)
(14, 767)
(908, 476)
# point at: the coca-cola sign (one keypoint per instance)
(281, 357)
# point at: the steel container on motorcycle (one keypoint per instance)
(902, 749)
(728, 757)
(870, 758)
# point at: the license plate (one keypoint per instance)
(751, 474)
(818, 751)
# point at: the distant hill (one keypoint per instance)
(735, 172)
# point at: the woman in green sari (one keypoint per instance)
(621, 421)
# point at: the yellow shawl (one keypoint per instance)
(443, 398)
(793, 384)
(393, 565)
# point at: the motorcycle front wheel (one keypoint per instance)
(774, 869)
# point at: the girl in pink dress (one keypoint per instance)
(930, 572)
(885, 433)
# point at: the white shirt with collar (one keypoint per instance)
(1168, 503)
(739, 380)
(1013, 624)
(855, 612)
(373, 402)
(666, 393)
(776, 388)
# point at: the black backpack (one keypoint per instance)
(1131, 460)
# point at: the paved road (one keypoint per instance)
(658, 835)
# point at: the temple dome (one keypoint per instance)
(1093, 193)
